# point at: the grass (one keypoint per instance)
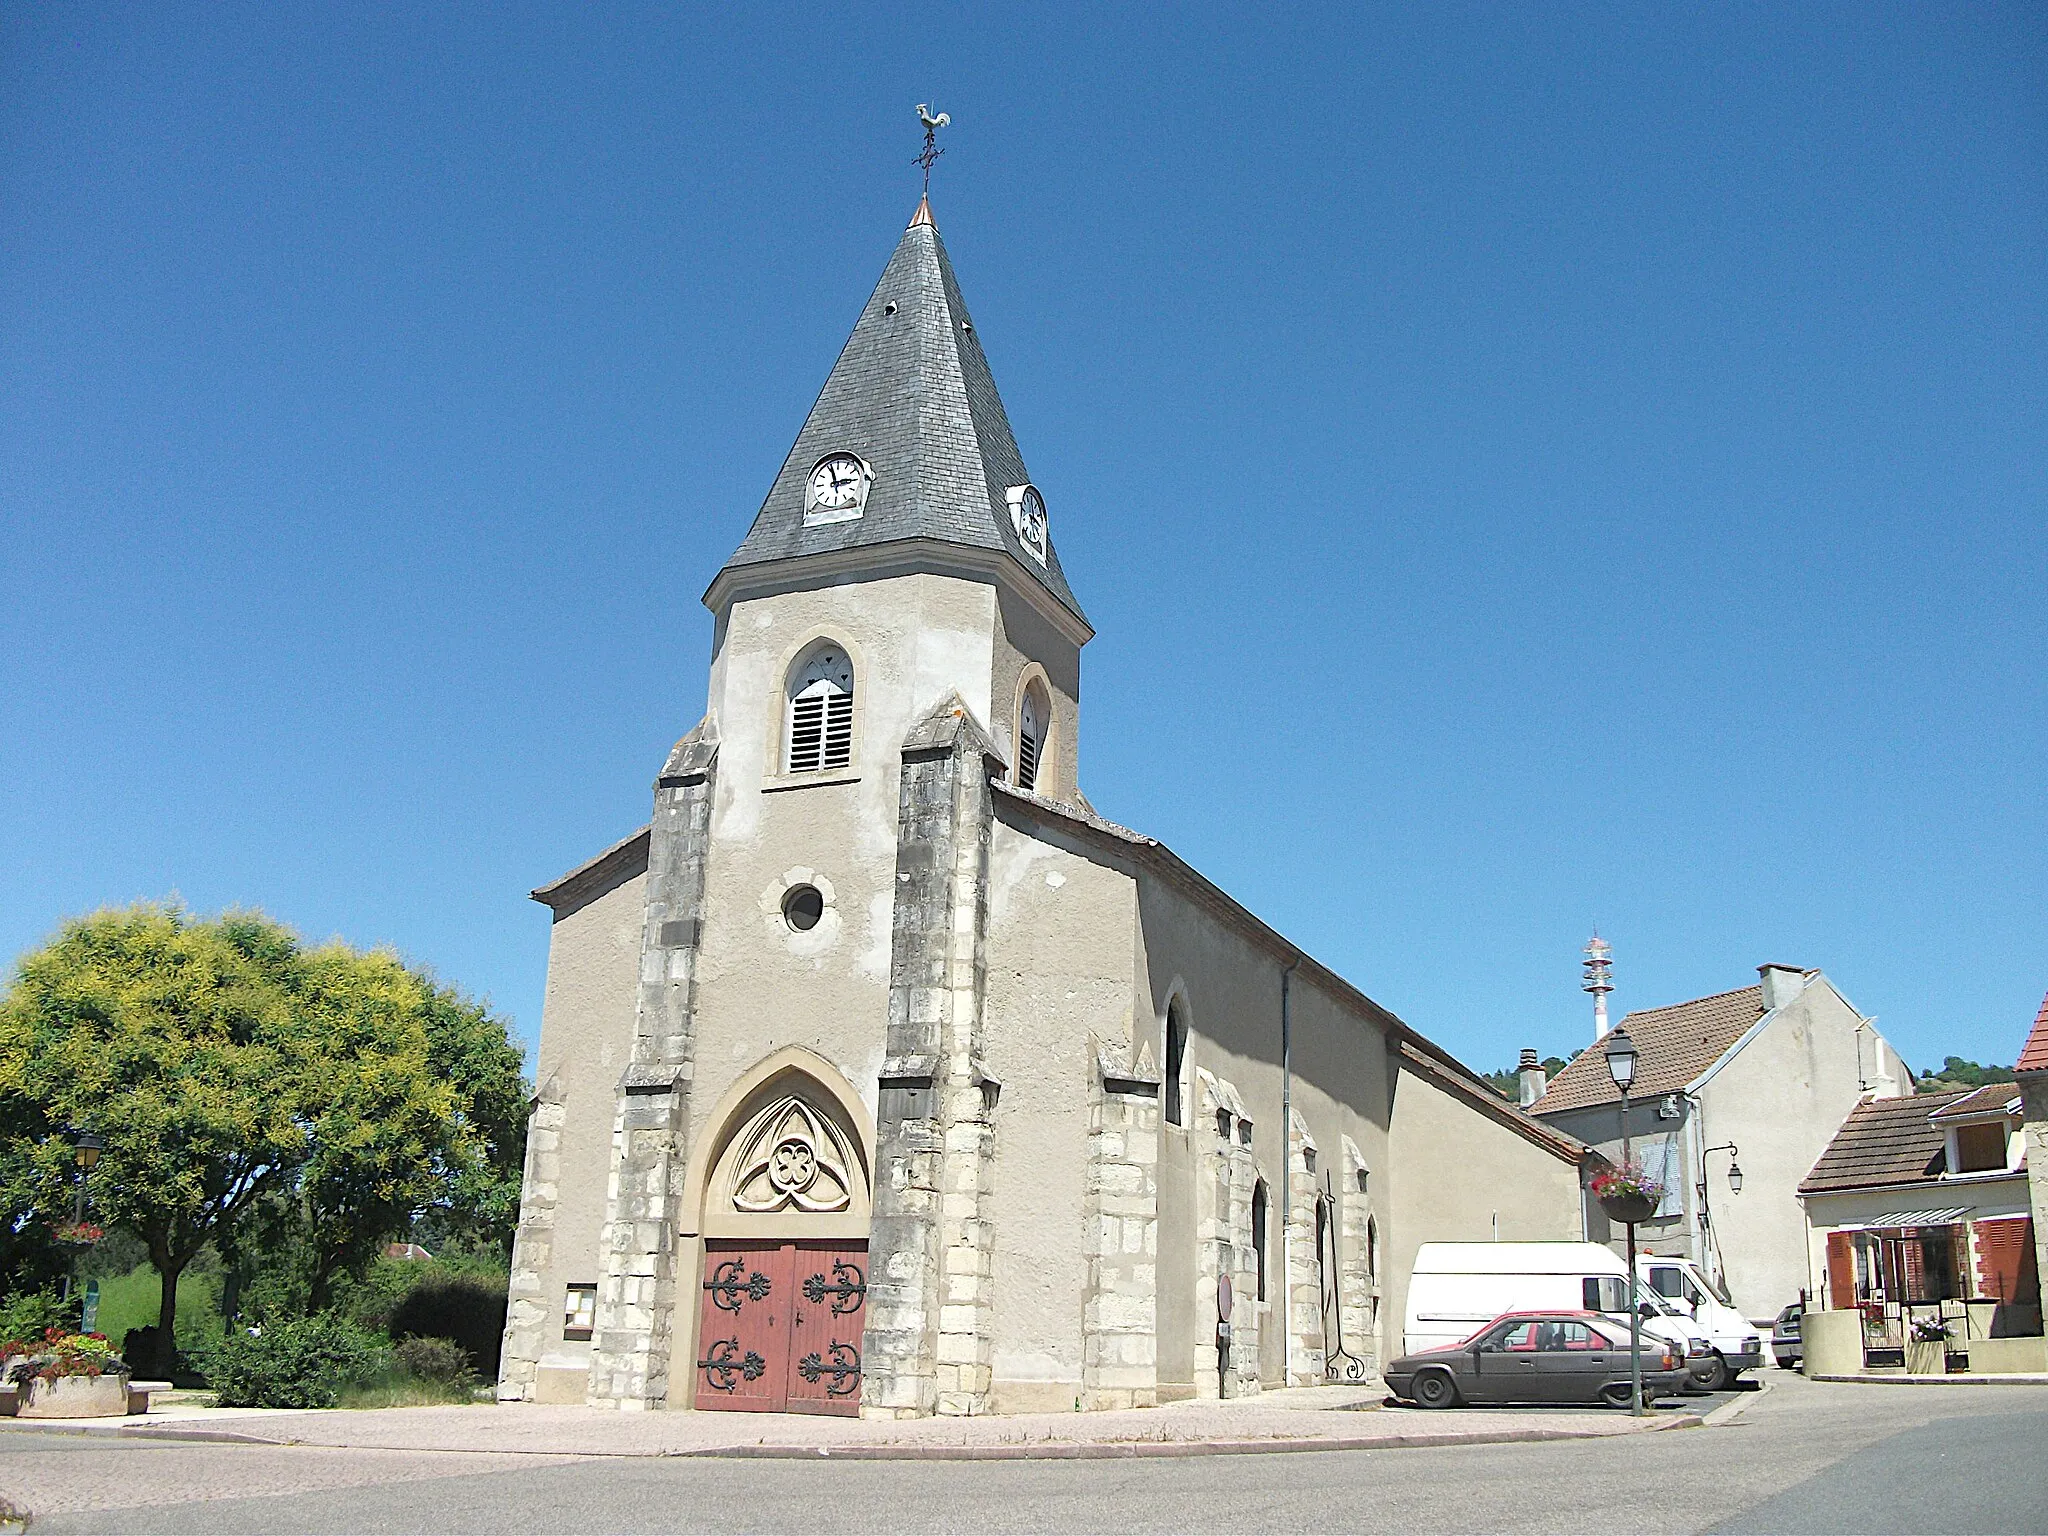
(131, 1301)
(399, 1388)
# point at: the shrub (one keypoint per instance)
(440, 1361)
(467, 1308)
(302, 1364)
(32, 1314)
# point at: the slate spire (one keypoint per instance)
(912, 395)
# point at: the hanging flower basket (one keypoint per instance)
(1626, 1193)
(81, 1234)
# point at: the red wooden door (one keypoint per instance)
(743, 1327)
(831, 1284)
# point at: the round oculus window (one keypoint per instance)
(802, 907)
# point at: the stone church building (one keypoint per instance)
(880, 1074)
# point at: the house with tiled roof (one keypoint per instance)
(1920, 1207)
(2032, 1073)
(1759, 1077)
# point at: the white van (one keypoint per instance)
(1458, 1288)
(1678, 1283)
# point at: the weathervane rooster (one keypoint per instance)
(932, 125)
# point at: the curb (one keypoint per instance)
(1961, 1379)
(1734, 1406)
(1083, 1450)
(1116, 1450)
(1072, 1450)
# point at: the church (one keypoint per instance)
(880, 1074)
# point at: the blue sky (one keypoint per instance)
(1527, 466)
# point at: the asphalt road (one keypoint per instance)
(1806, 1457)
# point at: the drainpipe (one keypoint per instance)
(1286, 1168)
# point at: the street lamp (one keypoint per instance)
(1734, 1166)
(1621, 1066)
(85, 1151)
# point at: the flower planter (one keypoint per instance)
(1926, 1357)
(76, 1397)
(1628, 1206)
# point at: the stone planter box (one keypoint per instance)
(76, 1397)
(1926, 1359)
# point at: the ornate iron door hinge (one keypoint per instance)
(725, 1366)
(851, 1285)
(727, 1287)
(844, 1369)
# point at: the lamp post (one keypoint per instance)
(1621, 1066)
(85, 1152)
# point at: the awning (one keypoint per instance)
(1947, 1218)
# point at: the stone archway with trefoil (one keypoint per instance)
(782, 1191)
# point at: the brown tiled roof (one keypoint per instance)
(2034, 1054)
(1991, 1099)
(1884, 1141)
(1673, 1046)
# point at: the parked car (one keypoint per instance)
(1785, 1336)
(1458, 1288)
(1537, 1357)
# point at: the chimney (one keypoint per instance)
(1782, 983)
(1533, 1079)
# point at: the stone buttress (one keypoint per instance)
(1120, 1318)
(928, 1346)
(650, 1131)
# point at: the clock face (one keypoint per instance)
(1027, 515)
(838, 484)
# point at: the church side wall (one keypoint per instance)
(1231, 986)
(586, 1037)
(1457, 1172)
(1059, 972)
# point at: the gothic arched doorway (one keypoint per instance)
(784, 1228)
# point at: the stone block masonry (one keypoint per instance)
(529, 1313)
(928, 1346)
(636, 1295)
(1120, 1316)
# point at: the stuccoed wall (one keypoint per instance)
(1781, 1099)
(1060, 966)
(585, 1038)
(1455, 1172)
(1023, 636)
(1231, 984)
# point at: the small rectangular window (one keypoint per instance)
(1980, 1148)
(579, 1311)
(1176, 1062)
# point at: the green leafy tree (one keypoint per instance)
(232, 1071)
(1956, 1072)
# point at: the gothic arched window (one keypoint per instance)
(1034, 715)
(1176, 1063)
(820, 713)
(1259, 1234)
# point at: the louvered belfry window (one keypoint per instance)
(1030, 737)
(821, 712)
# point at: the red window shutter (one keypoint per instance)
(1841, 1271)
(2005, 1250)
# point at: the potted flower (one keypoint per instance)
(65, 1376)
(1626, 1193)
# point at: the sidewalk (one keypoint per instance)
(1298, 1419)
(1960, 1379)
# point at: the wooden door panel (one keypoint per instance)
(743, 1330)
(827, 1310)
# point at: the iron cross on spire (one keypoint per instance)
(932, 125)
